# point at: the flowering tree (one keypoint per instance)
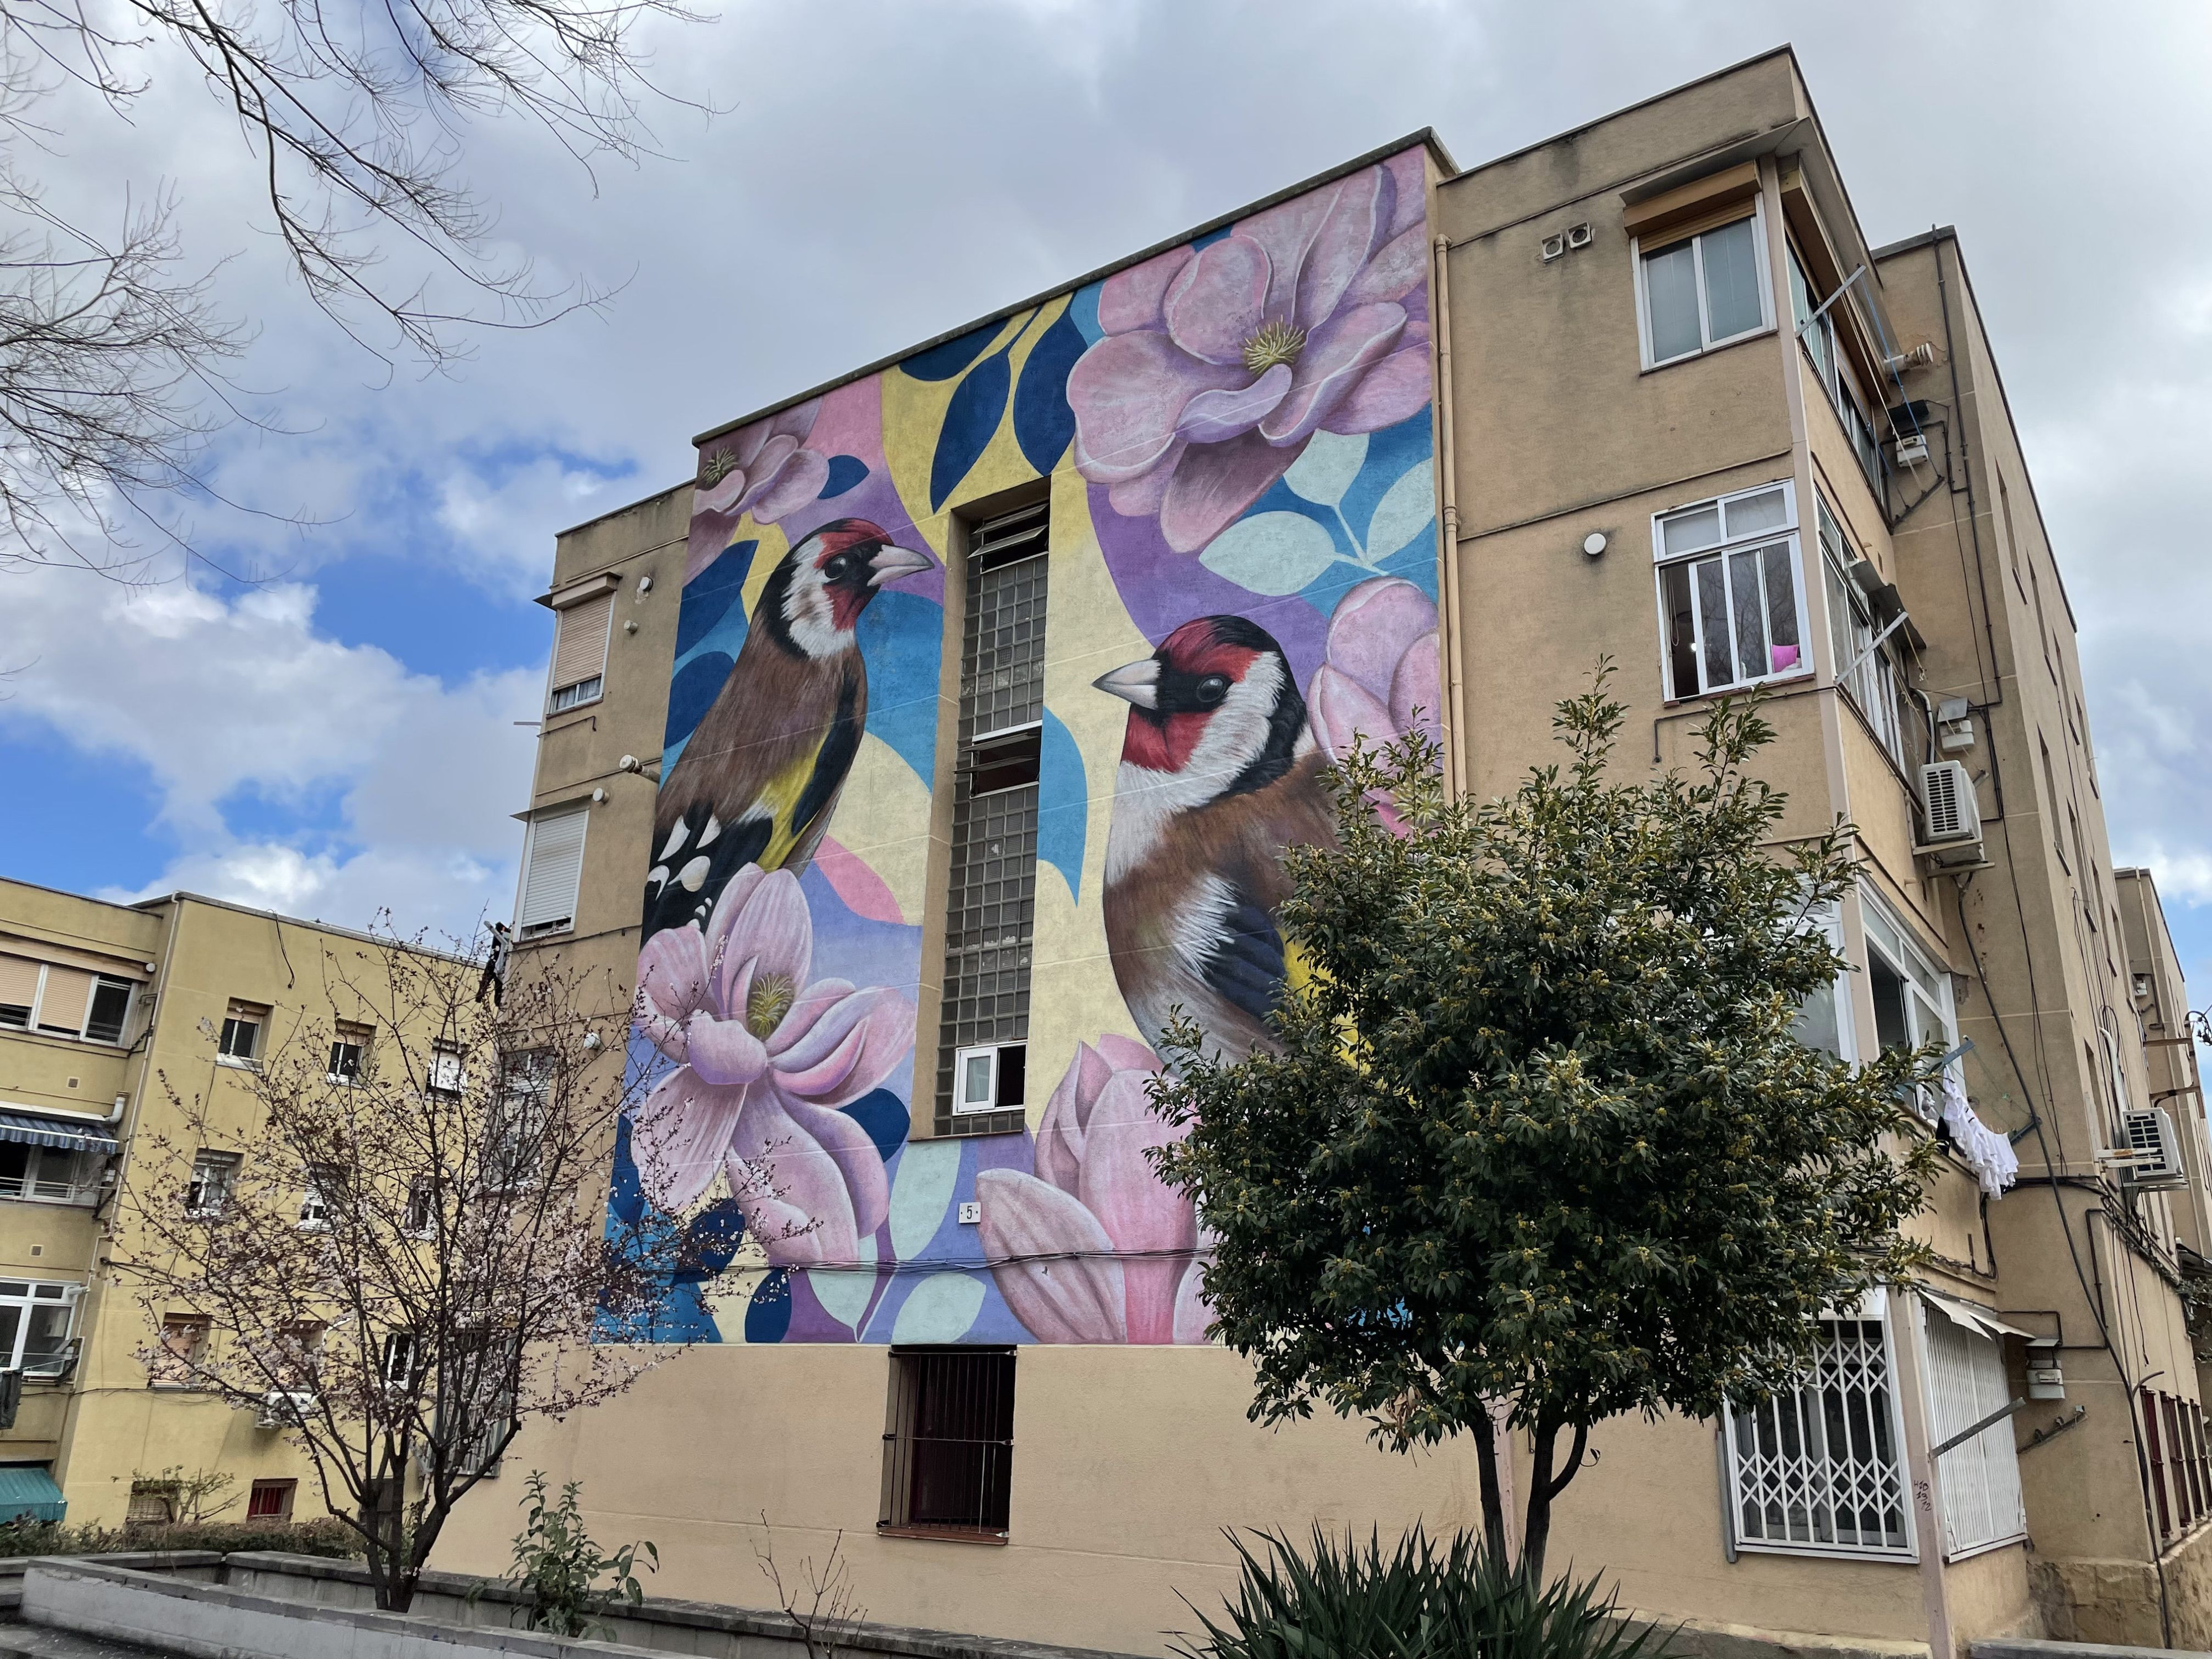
(400, 1252)
(1541, 1137)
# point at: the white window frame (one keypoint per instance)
(315, 1201)
(447, 1075)
(1850, 636)
(81, 1187)
(196, 1194)
(1853, 411)
(1828, 919)
(1662, 561)
(1909, 960)
(575, 692)
(32, 1026)
(35, 1294)
(1661, 243)
(559, 924)
(358, 1041)
(254, 1018)
(1874, 1308)
(963, 1104)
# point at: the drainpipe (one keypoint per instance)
(1905, 1326)
(1448, 481)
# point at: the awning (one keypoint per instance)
(25, 1489)
(1973, 1316)
(30, 1129)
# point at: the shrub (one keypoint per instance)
(1422, 1600)
(326, 1535)
(557, 1567)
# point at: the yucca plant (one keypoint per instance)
(1422, 1599)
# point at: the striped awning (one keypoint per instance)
(26, 1489)
(31, 1129)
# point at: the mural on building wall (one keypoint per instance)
(1236, 435)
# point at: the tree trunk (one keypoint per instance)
(388, 1562)
(1543, 1488)
(1494, 1446)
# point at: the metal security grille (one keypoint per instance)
(948, 1452)
(991, 901)
(1980, 1478)
(1817, 1468)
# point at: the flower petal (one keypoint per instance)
(1373, 627)
(1213, 418)
(1219, 300)
(1193, 1314)
(794, 1179)
(679, 1134)
(723, 496)
(1337, 354)
(1127, 1053)
(761, 451)
(798, 483)
(1140, 1211)
(770, 932)
(1341, 709)
(1400, 266)
(1213, 483)
(1417, 689)
(1076, 1296)
(722, 1051)
(798, 420)
(850, 1048)
(724, 915)
(1130, 299)
(1406, 182)
(1394, 390)
(672, 986)
(1315, 245)
(847, 1145)
(1127, 391)
(1141, 497)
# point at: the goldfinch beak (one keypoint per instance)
(1138, 682)
(892, 562)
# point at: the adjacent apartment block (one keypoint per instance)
(913, 760)
(112, 1018)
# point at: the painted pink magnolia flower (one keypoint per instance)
(767, 1057)
(766, 469)
(1218, 364)
(1094, 1247)
(1381, 666)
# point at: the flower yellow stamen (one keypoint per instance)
(1275, 343)
(766, 1003)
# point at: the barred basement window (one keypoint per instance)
(1817, 1469)
(991, 905)
(949, 1445)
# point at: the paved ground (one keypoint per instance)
(35, 1643)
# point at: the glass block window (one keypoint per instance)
(1818, 1469)
(991, 900)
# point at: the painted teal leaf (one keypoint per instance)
(845, 1293)
(1403, 513)
(939, 1310)
(1043, 422)
(1271, 553)
(1063, 804)
(942, 363)
(1327, 469)
(921, 1192)
(978, 404)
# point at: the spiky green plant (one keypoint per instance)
(1422, 1599)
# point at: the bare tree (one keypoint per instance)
(411, 1255)
(112, 364)
(820, 1603)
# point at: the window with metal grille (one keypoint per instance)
(270, 1500)
(949, 1447)
(991, 901)
(1982, 1505)
(1817, 1469)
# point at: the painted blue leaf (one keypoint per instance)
(942, 363)
(884, 1116)
(1063, 804)
(767, 1315)
(1043, 423)
(692, 693)
(711, 1239)
(625, 1194)
(846, 471)
(901, 638)
(709, 596)
(978, 403)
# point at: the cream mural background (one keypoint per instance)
(1236, 435)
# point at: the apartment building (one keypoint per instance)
(113, 1018)
(946, 724)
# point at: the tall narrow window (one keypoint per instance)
(949, 1448)
(580, 652)
(110, 1011)
(61, 1004)
(1966, 1383)
(1867, 673)
(2011, 541)
(991, 905)
(19, 990)
(552, 870)
(349, 1042)
(2050, 788)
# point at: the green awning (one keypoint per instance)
(26, 1489)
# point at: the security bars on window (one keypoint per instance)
(1817, 1468)
(949, 1448)
(991, 904)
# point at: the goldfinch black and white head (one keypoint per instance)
(813, 601)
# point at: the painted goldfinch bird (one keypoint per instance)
(1219, 773)
(759, 777)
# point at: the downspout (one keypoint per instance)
(1455, 782)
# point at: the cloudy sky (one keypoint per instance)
(340, 736)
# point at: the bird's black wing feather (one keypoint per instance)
(1247, 967)
(668, 902)
(831, 761)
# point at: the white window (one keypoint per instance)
(580, 652)
(55, 1174)
(1980, 1477)
(239, 1041)
(1824, 1020)
(1816, 1470)
(1704, 290)
(514, 1135)
(1729, 604)
(989, 1079)
(213, 1175)
(552, 870)
(1831, 365)
(447, 1076)
(348, 1051)
(1911, 993)
(399, 1359)
(1869, 674)
(34, 1326)
(420, 1220)
(109, 1010)
(315, 1200)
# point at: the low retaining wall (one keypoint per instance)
(201, 1566)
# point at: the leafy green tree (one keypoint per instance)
(1541, 1133)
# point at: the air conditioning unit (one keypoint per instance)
(280, 1410)
(1950, 817)
(1912, 449)
(2154, 1153)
